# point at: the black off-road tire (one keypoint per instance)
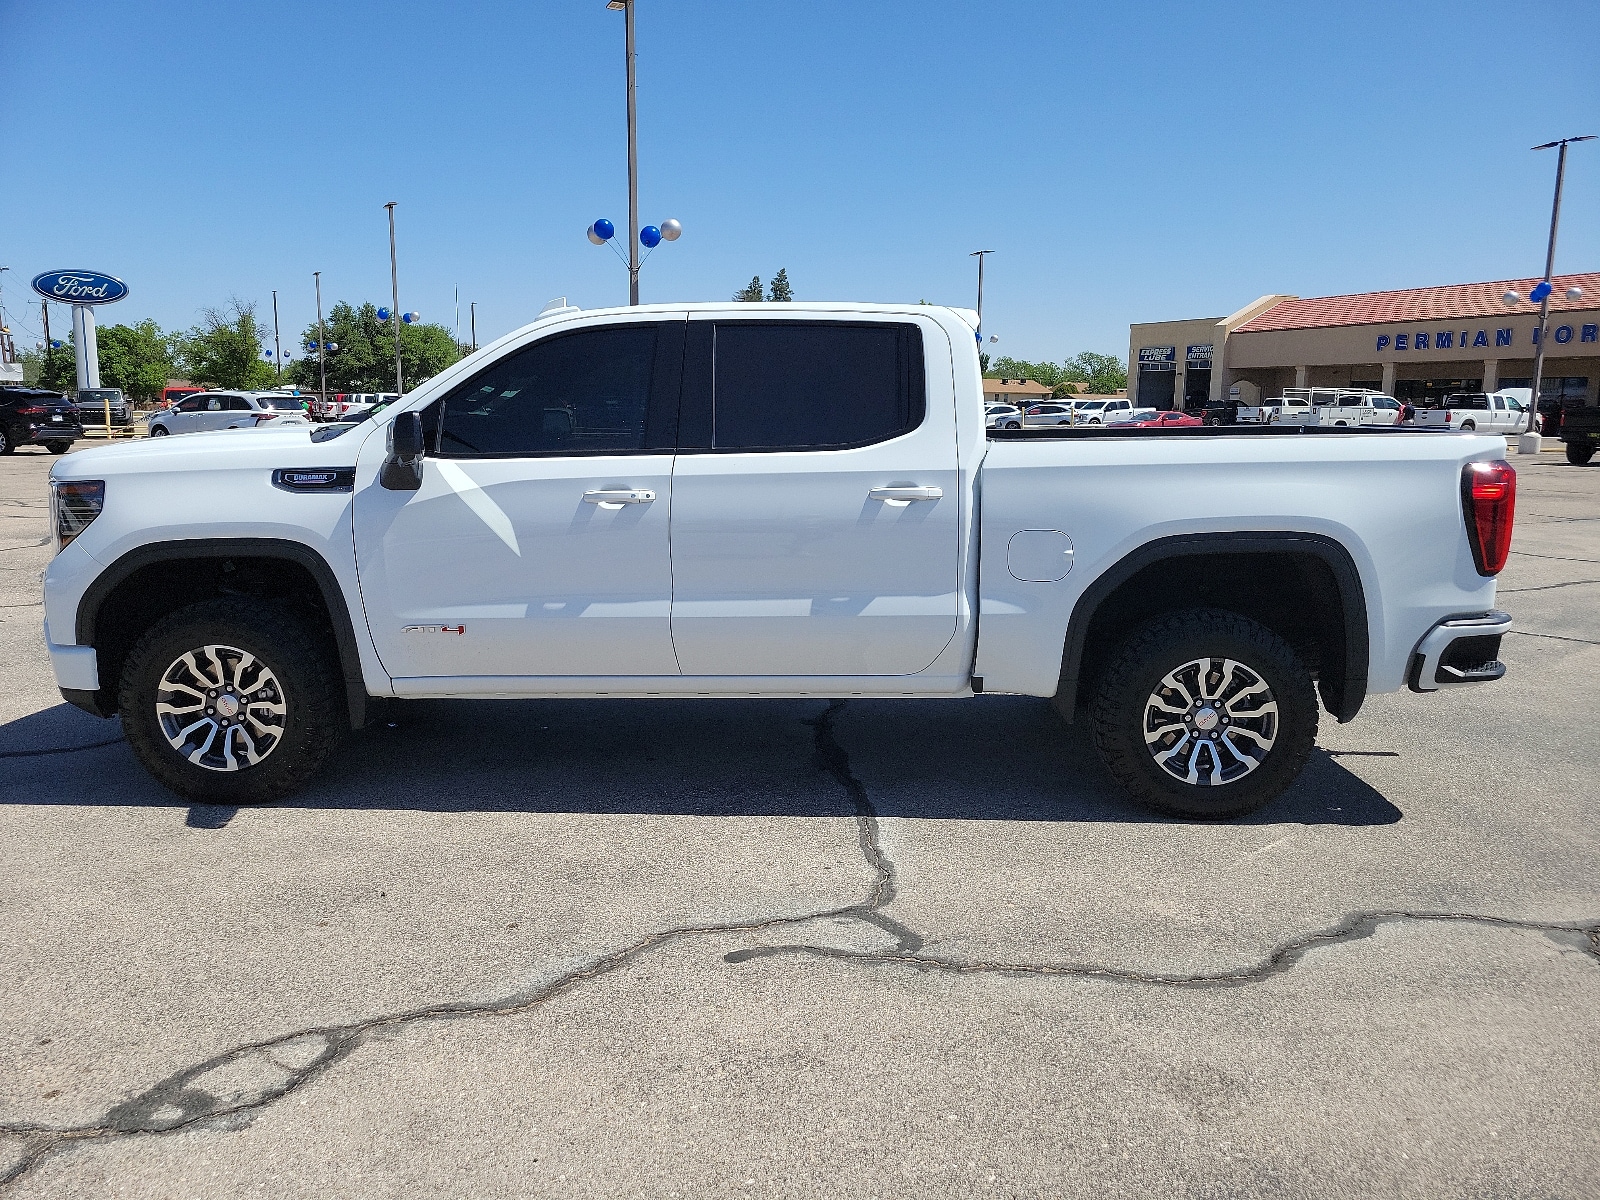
(1136, 672)
(1579, 453)
(315, 718)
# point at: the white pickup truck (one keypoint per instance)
(795, 500)
(1487, 412)
(1325, 406)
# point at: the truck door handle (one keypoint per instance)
(617, 498)
(905, 493)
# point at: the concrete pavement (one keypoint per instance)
(791, 948)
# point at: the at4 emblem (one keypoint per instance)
(456, 629)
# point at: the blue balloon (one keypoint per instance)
(383, 314)
(55, 343)
(604, 229)
(1540, 291)
(650, 237)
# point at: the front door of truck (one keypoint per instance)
(538, 543)
(815, 504)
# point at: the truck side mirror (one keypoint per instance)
(402, 466)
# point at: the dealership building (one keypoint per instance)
(1417, 344)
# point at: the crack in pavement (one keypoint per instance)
(1552, 636)
(59, 749)
(180, 1102)
(1548, 586)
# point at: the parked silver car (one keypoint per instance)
(228, 410)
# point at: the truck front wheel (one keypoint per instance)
(1205, 713)
(1579, 453)
(231, 701)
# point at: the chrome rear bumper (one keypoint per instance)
(1459, 651)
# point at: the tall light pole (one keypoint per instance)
(277, 346)
(1542, 290)
(394, 293)
(626, 8)
(322, 347)
(978, 254)
(474, 319)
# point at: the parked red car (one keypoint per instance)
(1167, 420)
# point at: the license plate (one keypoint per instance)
(55, 418)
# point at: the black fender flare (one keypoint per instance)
(95, 595)
(1343, 695)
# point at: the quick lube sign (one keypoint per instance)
(1482, 339)
(80, 287)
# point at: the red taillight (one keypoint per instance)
(33, 410)
(260, 417)
(1489, 502)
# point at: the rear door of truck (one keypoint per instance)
(815, 506)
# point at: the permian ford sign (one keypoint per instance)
(79, 287)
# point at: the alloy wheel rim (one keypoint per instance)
(221, 708)
(1210, 722)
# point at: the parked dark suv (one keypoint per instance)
(92, 406)
(35, 417)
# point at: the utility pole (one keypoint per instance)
(474, 324)
(1545, 285)
(394, 313)
(44, 311)
(322, 347)
(277, 346)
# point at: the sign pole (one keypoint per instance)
(394, 313)
(44, 309)
(277, 346)
(322, 347)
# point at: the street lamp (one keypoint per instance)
(978, 254)
(1540, 292)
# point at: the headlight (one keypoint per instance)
(74, 503)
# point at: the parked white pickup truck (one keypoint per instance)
(1489, 412)
(1325, 406)
(767, 500)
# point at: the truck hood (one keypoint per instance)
(219, 449)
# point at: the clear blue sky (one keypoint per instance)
(1135, 161)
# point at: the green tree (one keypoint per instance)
(224, 350)
(1100, 372)
(364, 361)
(54, 368)
(780, 286)
(983, 362)
(135, 358)
(1006, 367)
(751, 292)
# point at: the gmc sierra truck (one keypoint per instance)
(795, 500)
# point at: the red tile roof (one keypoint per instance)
(1458, 300)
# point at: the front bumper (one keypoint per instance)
(1458, 651)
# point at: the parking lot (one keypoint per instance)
(861, 949)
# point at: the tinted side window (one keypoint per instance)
(814, 385)
(236, 404)
(586, 392)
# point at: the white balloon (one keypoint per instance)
(1574, 293)
(671, 231)
(1510, 298)
(595, 237)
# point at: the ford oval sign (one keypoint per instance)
(79, 287)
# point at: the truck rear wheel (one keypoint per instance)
(231, 701)
(1205, 713)
(1579, 453)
